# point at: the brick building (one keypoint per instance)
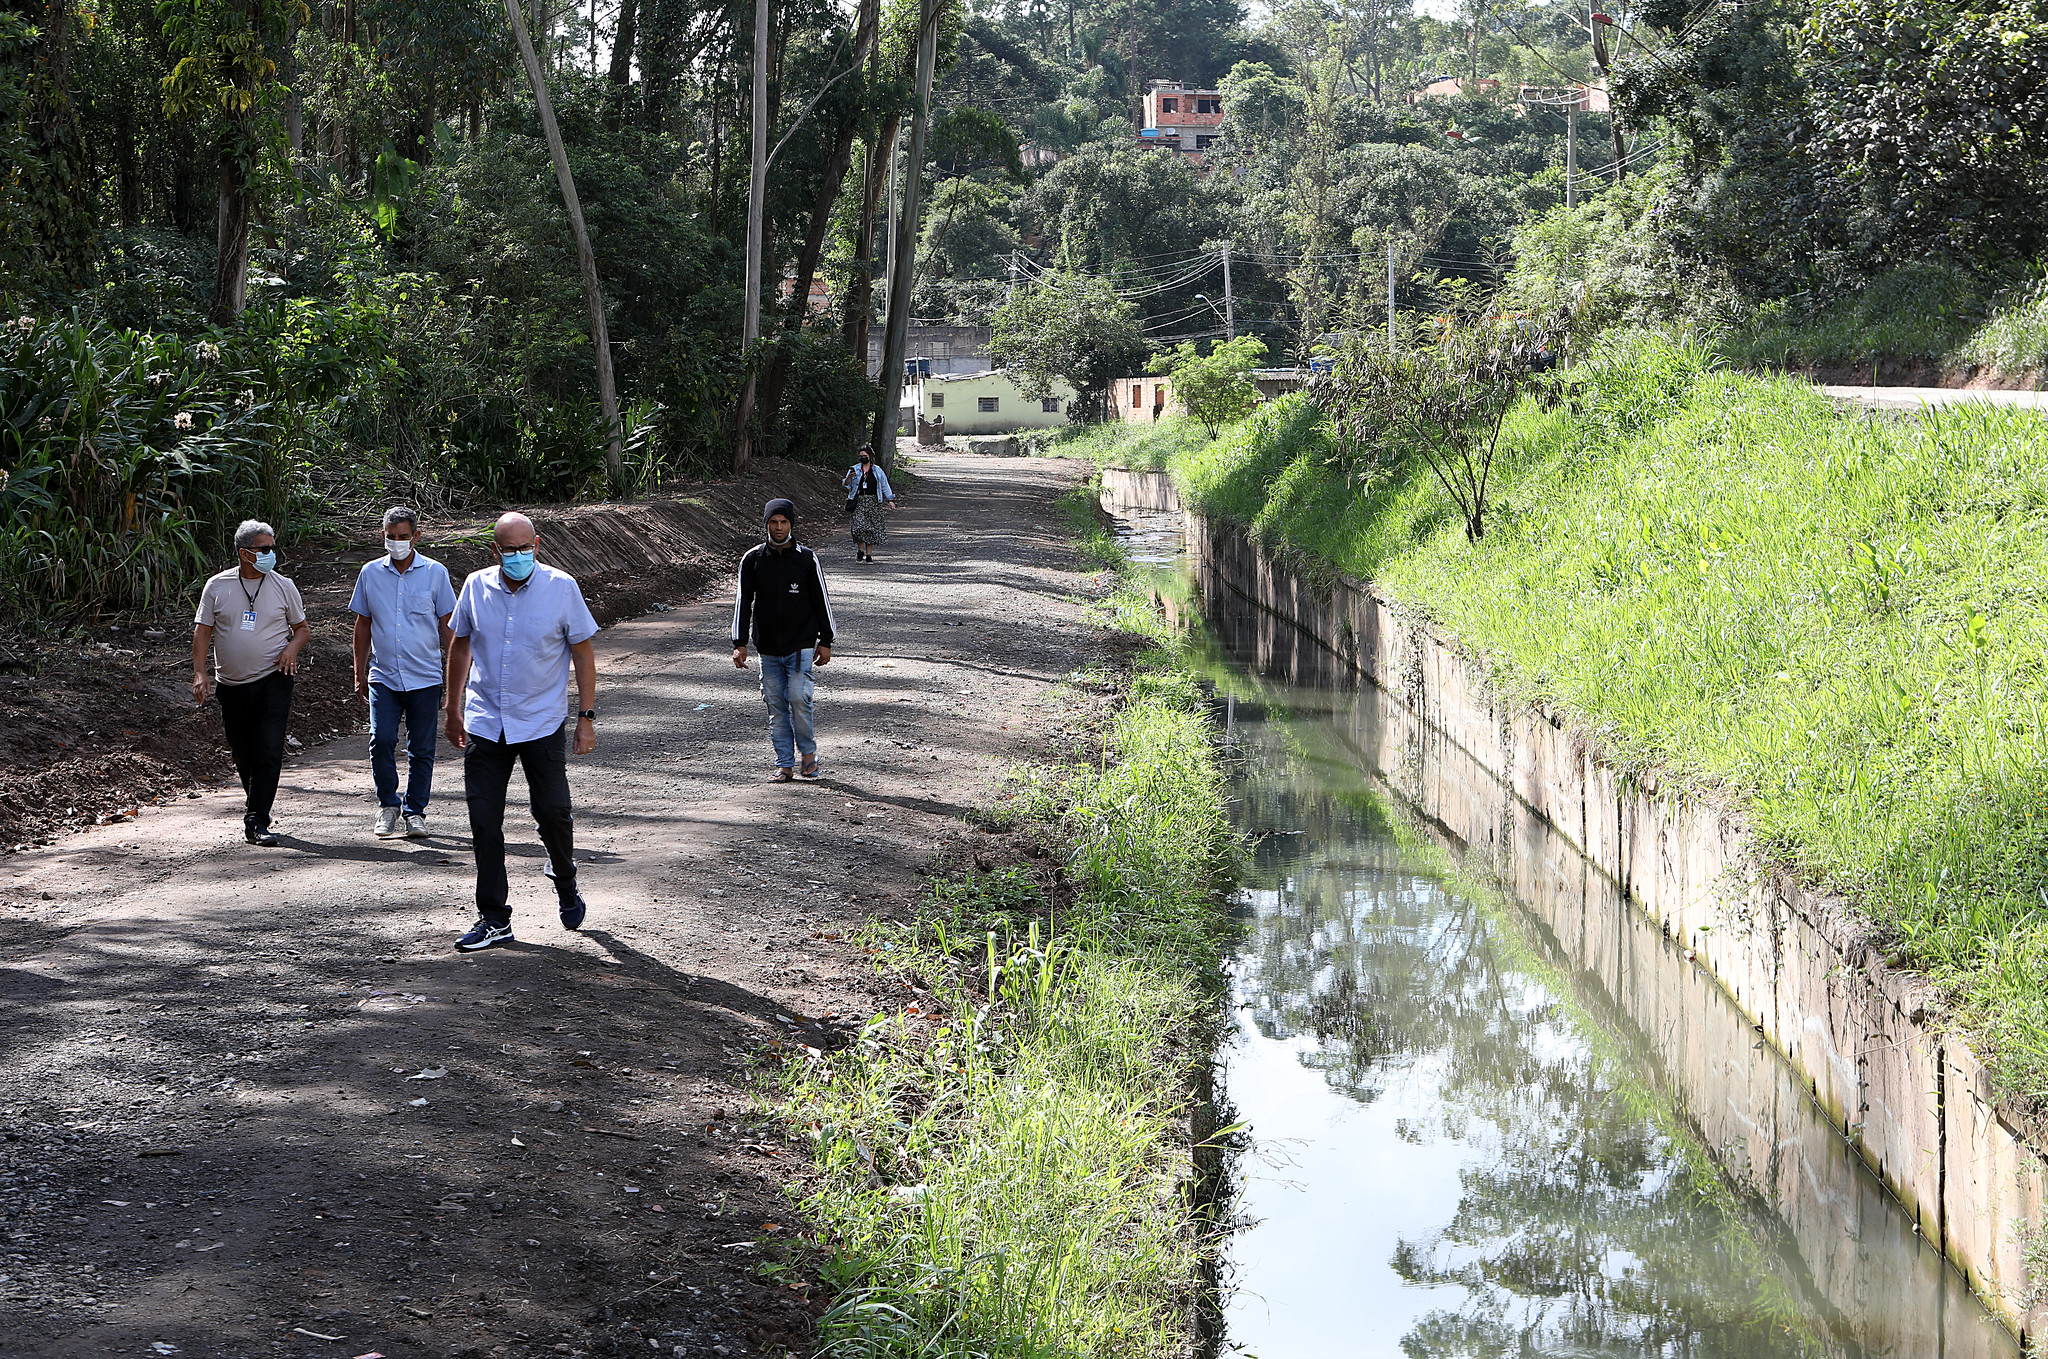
(1182, 120)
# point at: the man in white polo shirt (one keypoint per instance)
(520, 628)
(402, 603)
(253, 621)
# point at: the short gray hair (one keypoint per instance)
(251, 530)
(401, 514)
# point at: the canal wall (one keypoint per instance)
(1863, 1281)
(1801, 966)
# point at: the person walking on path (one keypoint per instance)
(867, 491)
(519, 629)
(254, 623)
(783, 606)
(402, 603)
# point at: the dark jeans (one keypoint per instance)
(486, 772)
(420, 709)
(255, 715)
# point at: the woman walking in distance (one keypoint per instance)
(867, 490)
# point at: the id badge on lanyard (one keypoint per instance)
(249, 621)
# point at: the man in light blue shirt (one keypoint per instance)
(402, 603)
(520, 628)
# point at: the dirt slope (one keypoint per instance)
(220, 1123)
(96, 724)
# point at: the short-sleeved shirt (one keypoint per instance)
(252, 623)
(519, 644)
(405, 609)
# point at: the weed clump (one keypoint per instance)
(1009, 1166)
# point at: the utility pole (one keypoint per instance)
(1229, 298)
(1013, 275)
(1571, 155)
(1393, 336)
(903, 254)
(586, 259)
(757, 193)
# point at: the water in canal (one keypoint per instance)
(1493, 1111)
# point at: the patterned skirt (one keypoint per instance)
(869, 526)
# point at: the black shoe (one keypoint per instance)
(260, 835)
(483, 935)
(573, 909)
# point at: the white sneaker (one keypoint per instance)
(416, 826)
(387, 822)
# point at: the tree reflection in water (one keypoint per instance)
(1587, 1222)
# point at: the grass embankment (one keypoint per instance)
(1113, 443)
(1011, 1169)
(1947, 318)
(1836, 619)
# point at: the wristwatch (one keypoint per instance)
(587, 715)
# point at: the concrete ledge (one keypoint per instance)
(1908, 1098)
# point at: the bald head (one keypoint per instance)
(514, 530)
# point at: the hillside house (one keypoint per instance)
(1452, 87)
(1180, 119)
(1143, 400)
(936, 348)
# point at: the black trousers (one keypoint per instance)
(255, 715)
(486, 773)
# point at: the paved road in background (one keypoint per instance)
(1928, 398)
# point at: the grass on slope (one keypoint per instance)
(1926, 311)
(1008, 1169)
(1837, 618)
(1116, 444)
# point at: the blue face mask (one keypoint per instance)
(518, 565)
(266, 560)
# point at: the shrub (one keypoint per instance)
(126, 459)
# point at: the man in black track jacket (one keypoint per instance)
(783, 606)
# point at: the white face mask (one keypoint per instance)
(399, 548)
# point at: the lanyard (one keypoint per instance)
(246, 594)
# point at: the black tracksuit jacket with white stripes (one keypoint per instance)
(782, 604)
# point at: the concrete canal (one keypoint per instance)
(1493, 1121)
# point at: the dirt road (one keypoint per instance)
(252, 1104)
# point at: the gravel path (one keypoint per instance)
(251, 1103)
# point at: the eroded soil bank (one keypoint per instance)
(219, 1127)
(99, 722)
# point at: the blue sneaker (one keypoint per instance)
(573, 908)
(482, 935)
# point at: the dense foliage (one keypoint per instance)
(373, 173)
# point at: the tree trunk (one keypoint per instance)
(231, 229)
(903, 250)
(757, 199)
(622, 44)
(832, 179)
(621, 73)
(586, 259)
(860, 279)
(131, 166)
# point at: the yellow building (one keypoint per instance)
(989, 403)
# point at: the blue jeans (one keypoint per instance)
(420, 709)
(786, 689)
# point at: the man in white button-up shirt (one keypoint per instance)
(520, 628)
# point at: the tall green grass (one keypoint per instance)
(1836, 619)
(1012, 1170)
(1116, 444)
